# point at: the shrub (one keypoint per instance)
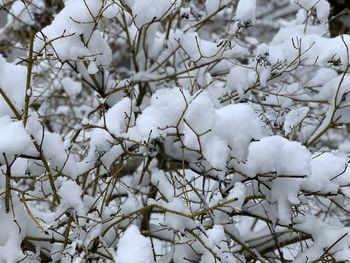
(140, 131)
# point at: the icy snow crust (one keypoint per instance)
(222, 152)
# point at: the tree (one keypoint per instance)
(173, 131)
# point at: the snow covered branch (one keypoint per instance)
(139, 131)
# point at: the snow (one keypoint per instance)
(165, 110)
(245, 127)
(213, 6)
(92, 68)
(18, 13)
(323, 9)
(217, 241)
(328, 172)
(279, 155)
(56, 153)
(216, 235)
(246, 11)
(176, 221)
(239, 79)
(216, 152)
(12, 83)
(118, 117)
(115, 121)
(174, 132)
(200, 119)
(285, 192)
(263, 67)
(133, 247)
(204, 126)
(237, 192)
(294, 118)
(332, 238)
(345, 146)
(13, 138)
(155, 10)
(14, 229)
(163, 183)
(10, 240)
(71, 87)
(200, 114)
(199, 50)
(71, 196)
(65, 29)
(306, 4)
(312, 47)
(112, 9)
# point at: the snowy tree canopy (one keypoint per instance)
(140, 131)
